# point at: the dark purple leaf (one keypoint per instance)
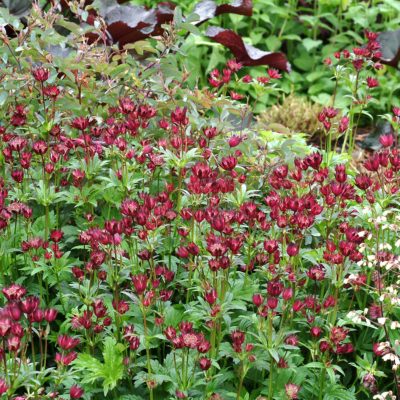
(390, 47)
(247, 54)
(208, 9)
(371, 141)
(130, 23)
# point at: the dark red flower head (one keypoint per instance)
(76, 392)
(41, 74)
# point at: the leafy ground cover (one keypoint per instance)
(159, 242)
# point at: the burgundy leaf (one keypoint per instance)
(247, 54)
(66, 6)
(208, 9)
(130, 23)
(164, 14)
(129, 20)
(241, 7)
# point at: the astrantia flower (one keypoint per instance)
(274, 74)
(316, 272)
(263, 80)
(67, 342)
(338, 334)
(14, 292)
(76, 392)
(179, 117)
(228, 163)
(80, 123)
(233, 65)
(292, 391)
(30, 304)
(257, 299)
(65, 358)
(205, 363)
(315, 331)
(234, 140)
(5, 326)
(247, 79)
(238, 338)
(50, 314)
(190, 340)
(41, 74)
(3, 386)
(235, 95)
(343, 124)
(386, 140)
(51, 91)
(211, 296)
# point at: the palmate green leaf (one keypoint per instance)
(110, 372)
(113, 368)
(337, 392)
(91, 365)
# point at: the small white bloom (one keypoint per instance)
(395, 325)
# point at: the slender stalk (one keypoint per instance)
(270, 381)
(5, 357)
(240, 381)
(149, 372)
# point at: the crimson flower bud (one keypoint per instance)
(228, 163)
(343, 124)
(41, 74)
(30, 304)
(38, 315)
(17, 330)
(292, 340)
(386, 140)
(234, 140)
(13, 343)
(238, 338)
(292, 249)
(204, 346)
(3, 386)
(271, 246)
(287, 293)
(211, 296)
(170, 333)
(205, 363)
(76, 392)
(272, 302)
(139, 282)
(14, 311)
(324, 346)
(249, 347)
(134, 343)
(257, 299)
(67, 342)
(315, 331)
(180, 395)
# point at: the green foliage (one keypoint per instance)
(110, 371)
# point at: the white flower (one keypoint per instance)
(354, 317)
(384, 396)
(395, 325)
